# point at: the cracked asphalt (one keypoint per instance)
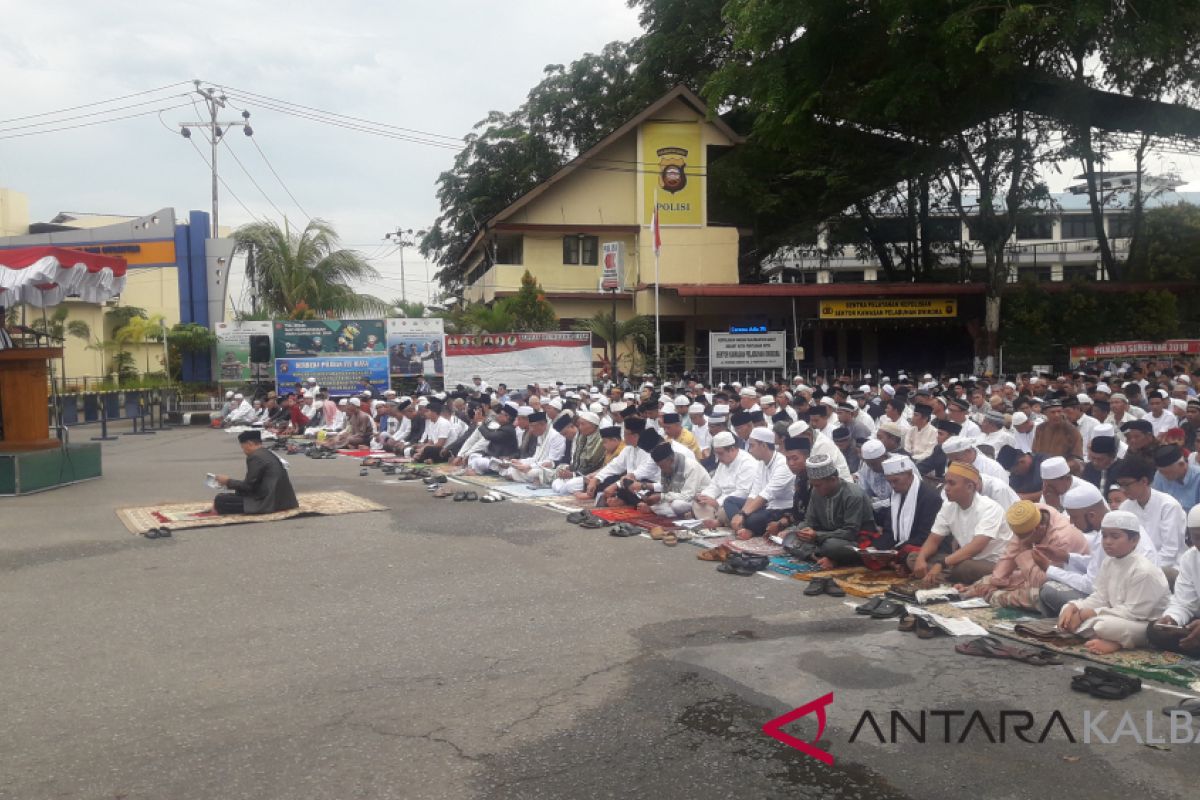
(454, 650)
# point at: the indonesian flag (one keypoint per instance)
(654, 227)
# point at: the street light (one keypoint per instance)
(214, 101)
(402, 238)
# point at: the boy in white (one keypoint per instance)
(1129, 592)
(975, 523)
(1178, 629)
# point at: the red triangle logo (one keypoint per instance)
(774, 728)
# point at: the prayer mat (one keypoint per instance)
(786, 565)
(643, 519)
(518, 489)
(355, 453)
(868, 584)
(758, 546)
(840, 572)
(185, 516)
(1169, 668)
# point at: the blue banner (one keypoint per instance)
(338, 374)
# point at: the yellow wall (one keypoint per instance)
(601, 192)
(155, 289)
(14, 213)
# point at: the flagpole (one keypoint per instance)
(657, 330)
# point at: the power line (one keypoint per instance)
(456, 139)
(232, 193)
(326, 120)
(281, 183)
(91, 105)
(271, 202)
(90, 124)
(89, 115)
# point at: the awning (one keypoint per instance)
(45, 276)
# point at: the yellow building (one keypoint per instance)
(600, 207)
(174, 270)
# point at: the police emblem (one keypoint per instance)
(672, 169)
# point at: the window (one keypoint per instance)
(1078, 226)
(581, 250)
(509, 250)
(1120, 226)
(1035, 228)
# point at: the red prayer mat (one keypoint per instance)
(354, 453)
(643, 519)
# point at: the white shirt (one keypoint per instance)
(1024, 441)
(774, 482)
(990, 466)
(1081, 569)
(919, 442)
(1162, 424)
(983, 518)
(631, 460)
(550, 448)
(733, 479)
(1184, 605)
(435, 431)
(1127, 588)
(998, 439)
(971, 431)
(1164, 522)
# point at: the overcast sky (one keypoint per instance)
(434, 67)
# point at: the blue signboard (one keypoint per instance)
(338, 374)
(747, 328)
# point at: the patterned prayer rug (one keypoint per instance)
(185, 516)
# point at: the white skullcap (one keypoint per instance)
(1019, 418)
(1055, 468)
(588, 416)
(1010, 385)
(618, 407)
(696, 408)
(873, 448)
(596, 408)
(865, 389)
(556, 403)
(1184, 378)
(821, 466)
(524, 411)
(798, 428)
(229, 394)
(680, 400)
(1083, 399)
(1103, 388)
(238, 396)
(1124, 520)
(390, 393)
(767, 400)
(354, 401)
(1179, 403)
(1104, 429)
(629, 396)
(763, 435)
(1081, 495)
(424, 401)
(1193, 517)
(829, 401)
(312, 380)
(956, 444)
(749, 391)
(889, 390)
(897, 464)
(721, 410)
(724, 439)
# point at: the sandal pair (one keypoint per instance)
(818, 586)
(1106, 684)
(492, 497)
(461, 496)
(625, 530)
(991, 647)
(880, 608)
(158, 533)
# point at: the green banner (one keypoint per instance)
(295, 338)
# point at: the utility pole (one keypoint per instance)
(403, 238)
(214, 100)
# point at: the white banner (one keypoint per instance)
(519, 359)
(747, 350)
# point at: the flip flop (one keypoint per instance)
(868, 608)
(576, 517)
(470, 496)
(657, 532)
(670, 539)
(460, 496)
(164, 532)
(927, 630)
(710, 554)
(886, 609)
(151, 534)
(625, 530)
(733, 569)
(1189, 705)
(595, 522)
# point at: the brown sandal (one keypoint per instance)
(669, 539)
(657, 532)
(712, 554)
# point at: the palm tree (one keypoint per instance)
(410, 309)
(615, 332)
(142, 330)
(285, 269)
(483, 318)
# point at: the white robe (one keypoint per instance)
(1129, 593)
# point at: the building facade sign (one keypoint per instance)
(896, 308)
(747, 350)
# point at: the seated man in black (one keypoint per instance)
(1024, 471)
(266, 487)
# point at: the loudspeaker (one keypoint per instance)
(260, 349)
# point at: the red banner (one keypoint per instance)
(1119, 350)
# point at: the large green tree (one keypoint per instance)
(305, 269)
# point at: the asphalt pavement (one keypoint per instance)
(459, 650)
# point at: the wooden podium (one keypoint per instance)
(24, 391)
